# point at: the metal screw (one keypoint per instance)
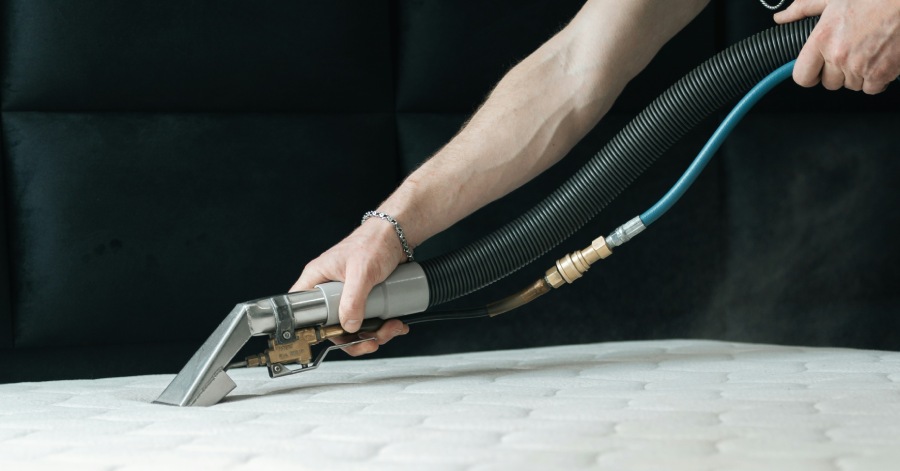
(277, 368)
(286, 334)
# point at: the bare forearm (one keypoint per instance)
(538, 111)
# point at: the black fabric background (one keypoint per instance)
(151, 56)
(162, 161)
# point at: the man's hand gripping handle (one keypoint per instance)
(294, 322)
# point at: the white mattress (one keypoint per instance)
(655, 405)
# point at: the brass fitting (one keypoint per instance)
(297, 351)
(574, 265)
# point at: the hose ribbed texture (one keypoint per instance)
(719, 80)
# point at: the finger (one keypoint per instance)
(800, 9)
(362, 348)
(310, 277)
(383, 335)
(874, 87)
(852, 81)
(387, 331)
(832, 76)
(808, 67)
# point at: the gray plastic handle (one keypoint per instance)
(404, 292)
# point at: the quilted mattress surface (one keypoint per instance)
(677, 404)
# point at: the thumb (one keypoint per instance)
(352, 309)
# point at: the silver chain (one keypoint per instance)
(771, 7)
(399, 230)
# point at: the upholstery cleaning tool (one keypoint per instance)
(295, 322)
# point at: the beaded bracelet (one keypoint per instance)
(408, 251)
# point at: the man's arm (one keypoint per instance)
(534, 116)
(856, 43)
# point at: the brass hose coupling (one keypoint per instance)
(568, 269)
(299, 350)
(574, 265)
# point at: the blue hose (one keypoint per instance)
(723, 78)
(712, 146)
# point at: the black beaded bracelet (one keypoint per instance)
(399, 230)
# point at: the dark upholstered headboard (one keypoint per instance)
(164, 160)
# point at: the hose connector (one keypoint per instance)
(625, 232)
(574, 265)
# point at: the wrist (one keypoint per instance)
(398, 230)
(381, 235)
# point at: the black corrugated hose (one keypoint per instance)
(721, 79)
